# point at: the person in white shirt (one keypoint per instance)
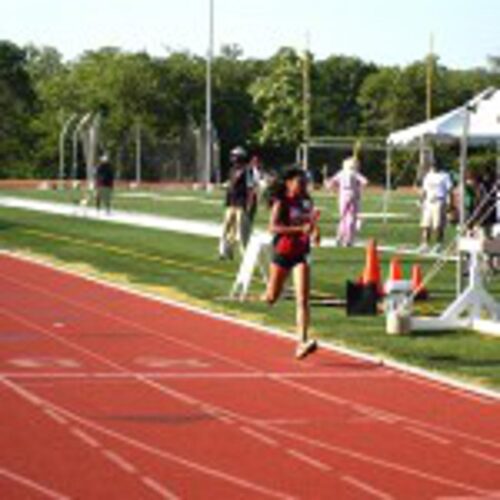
(349, 183)
(437, 192)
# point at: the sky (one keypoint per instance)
(382, 31)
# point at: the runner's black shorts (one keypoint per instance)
(289, 262)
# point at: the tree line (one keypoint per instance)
(257, 103)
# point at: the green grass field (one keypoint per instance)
(187, 267)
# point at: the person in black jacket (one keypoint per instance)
(238, 198)
(105, 178)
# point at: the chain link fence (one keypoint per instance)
(178, 159)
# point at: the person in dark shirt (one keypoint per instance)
(472, 198)
(105, 178)
(238, 195)
(488, 189)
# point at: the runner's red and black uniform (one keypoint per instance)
(292, 249)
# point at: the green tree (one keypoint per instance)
(336, 85)
(378, 103)
(277, 97)
(17, 102)
(43, 63)
(235, 118)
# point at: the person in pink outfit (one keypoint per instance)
(349, 183)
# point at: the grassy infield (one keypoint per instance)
(187, 267)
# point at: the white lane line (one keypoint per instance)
(284, 421)
(367, 488)
(159, 489)
(55, 416)
(483, 456)
(461, 498)
(217, 414)
(165, 390)
(373, 460)
(258, 436)
(83, 436)
(127, 322)
(29, 483)
(309, 460)
(379, 415)
(492, 496)
(35, 375)
(225, 420)
(397, 418)
(457, 391)
(179, 460)
(119, 461)
(428, 435)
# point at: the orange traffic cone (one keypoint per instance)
(371, 274)
(417, 282)
(395, 272)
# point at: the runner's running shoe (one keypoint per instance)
(306, 348)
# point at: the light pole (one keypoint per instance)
(82, 123)
(62, 138)
(306, 102)
(429, 78)
(138, 153)
(208, 111)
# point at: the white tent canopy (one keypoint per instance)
(484, 123)
(476, 122)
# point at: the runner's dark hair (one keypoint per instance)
(280, 190)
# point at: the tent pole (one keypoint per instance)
(461, 195)
(498, 180)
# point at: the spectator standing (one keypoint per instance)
(436, 197)
(488, 192)
(349, 183)
(105, 178)
(238, 195)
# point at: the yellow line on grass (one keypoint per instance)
(126, 252)
(138, 255)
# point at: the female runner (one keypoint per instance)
(294, 223)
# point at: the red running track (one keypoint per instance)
(107, 394)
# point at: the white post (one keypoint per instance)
(208, 111)
(77, 130)
(388, 181)
(92, 149)
(62, 139)
(298, 154)
(461, 192)
(497, 182)
(463, 166)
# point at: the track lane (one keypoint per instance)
(294, 401)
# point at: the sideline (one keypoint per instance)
(173, 224)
